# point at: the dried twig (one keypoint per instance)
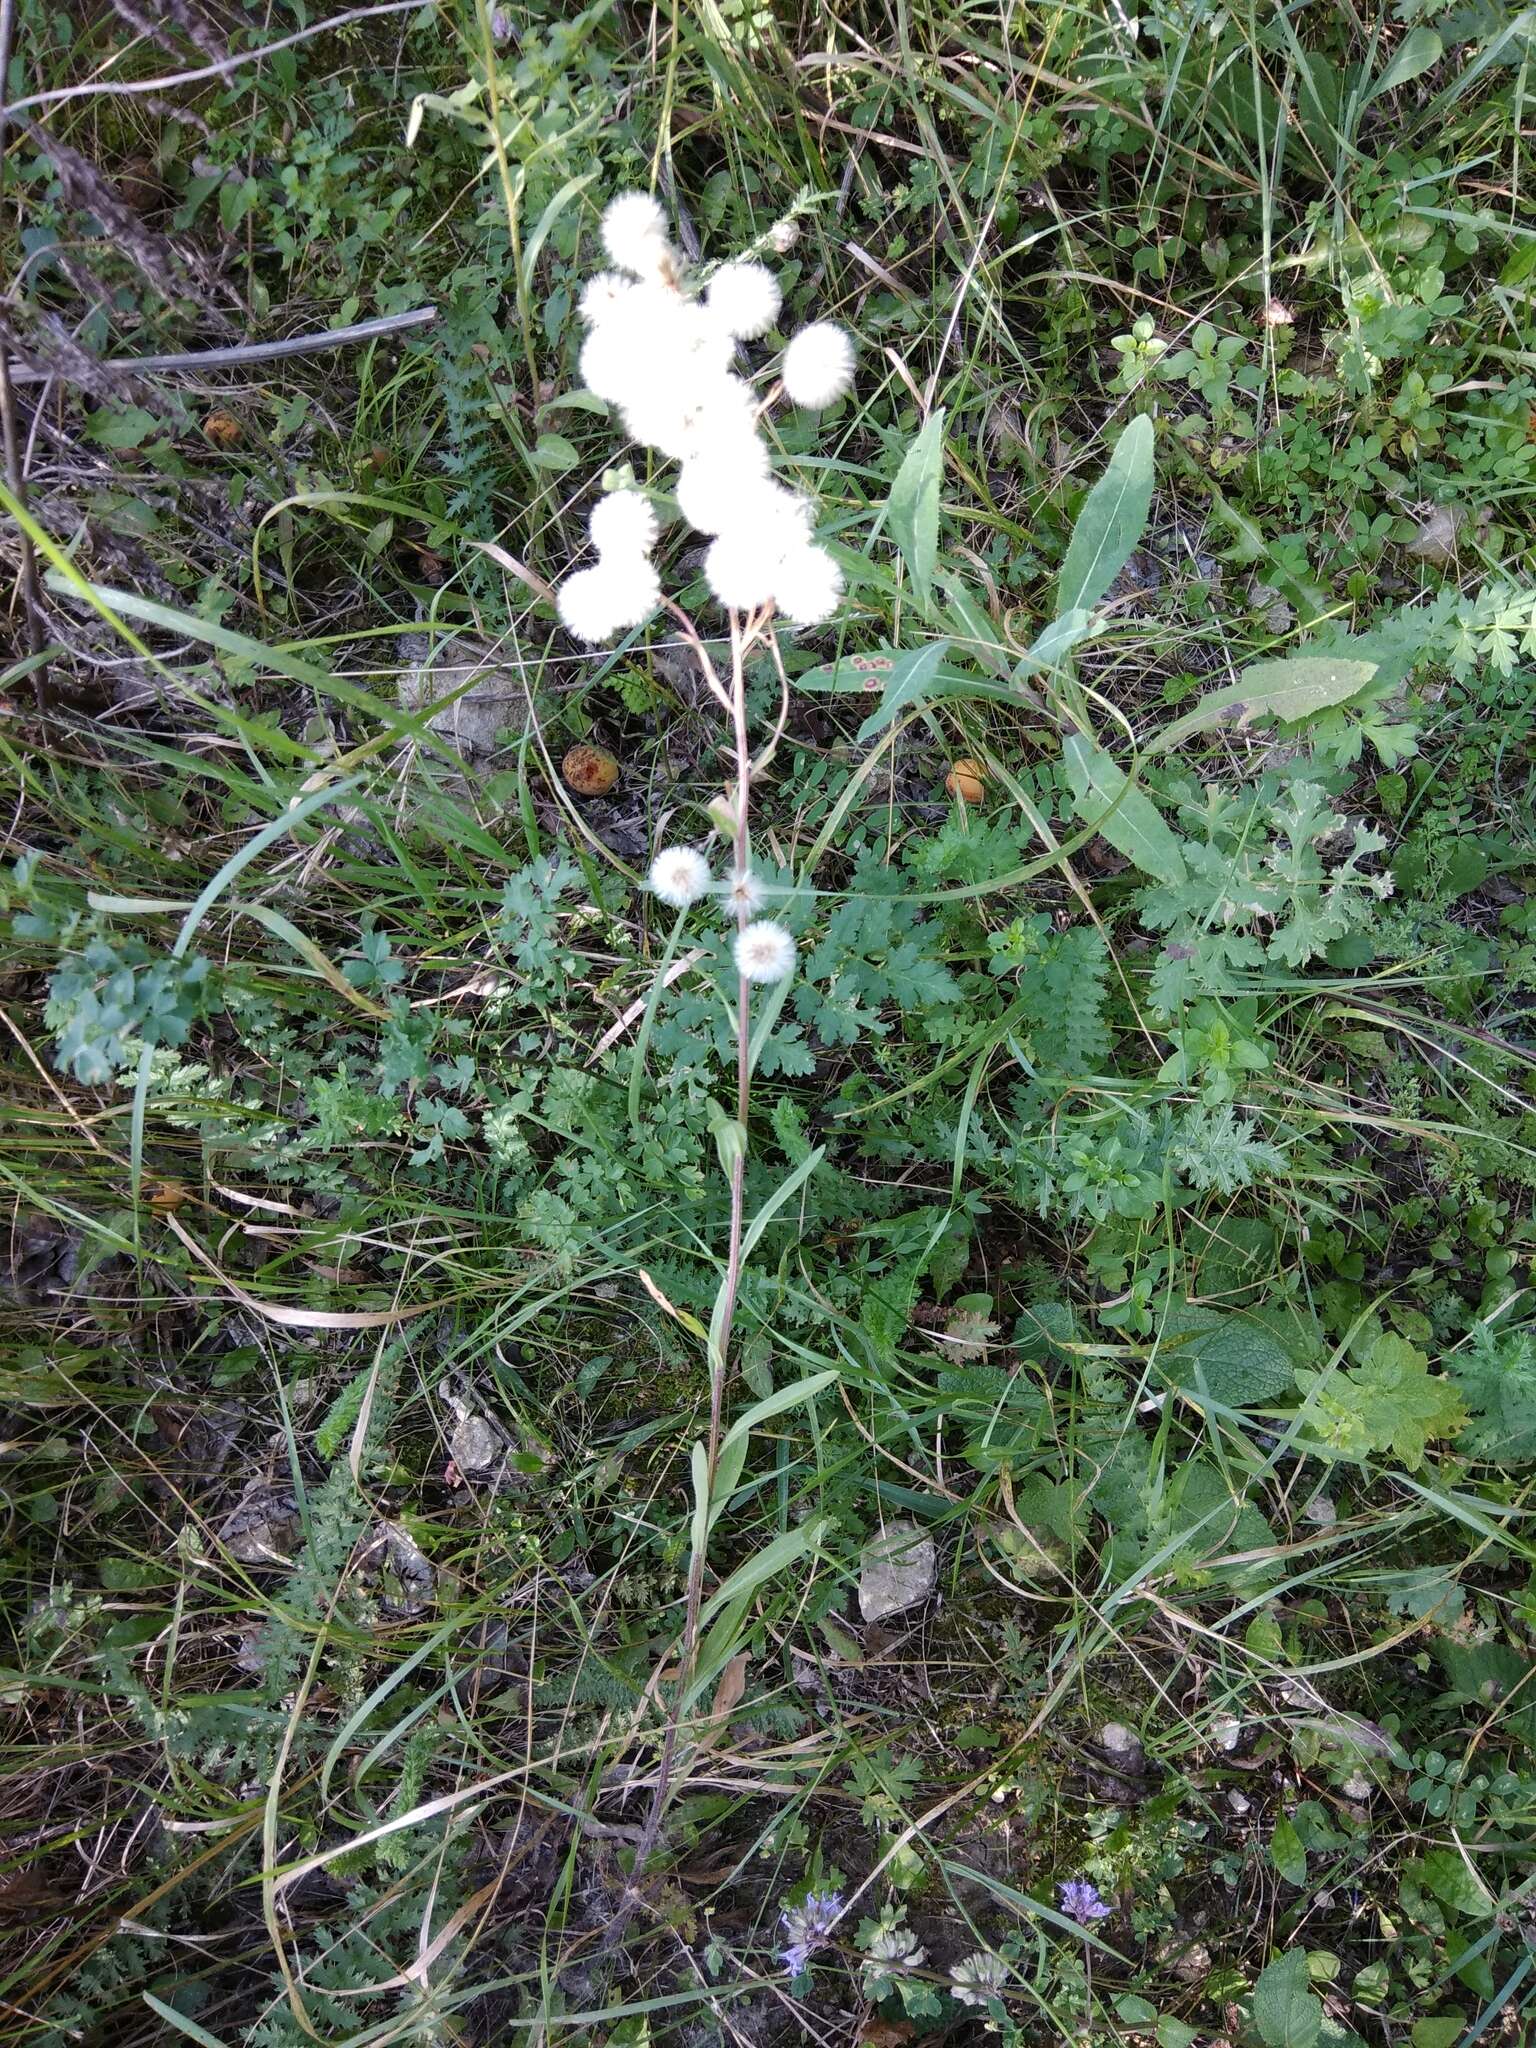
(244, 352)
(15, 480)
(225, 64)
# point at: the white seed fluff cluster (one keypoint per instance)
(763, 951)
(680, 876)
(665, 360)
(623, 589)
(818, 365)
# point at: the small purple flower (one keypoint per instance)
(808, 1926)
(1081, 1902)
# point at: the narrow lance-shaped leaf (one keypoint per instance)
(1120, 813)
(1112, 520)
(767, 1563)
(913, 506)
(1297, 687)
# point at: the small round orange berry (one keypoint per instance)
(967, 779)
(589, 771)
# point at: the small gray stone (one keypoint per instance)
(897, 1570)
(1122, 1746)
(394, 1565)
(1278, 616)
(495, 701)
(477, 1445)
(1434, 540)
(263, 1526)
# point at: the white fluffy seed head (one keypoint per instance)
(635, 586)
(744, 300)
(680, 876)
(635, 235)
(608, 363)
(818, 365)
(587, 607)
(770, 518)
(710, 484)
(764, 951)
(739, 572)
(698, 345)
(808, 586)
(623, 523)
(603, 296)
(690, 413)
(683, 414)
(620, 592)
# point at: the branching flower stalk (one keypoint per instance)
(665, 356)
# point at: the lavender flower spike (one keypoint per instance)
(808, 1926)
(1080, 1900)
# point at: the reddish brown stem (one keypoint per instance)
(743, 635)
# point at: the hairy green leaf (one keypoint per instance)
(1298, 687)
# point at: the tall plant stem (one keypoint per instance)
(743, 633)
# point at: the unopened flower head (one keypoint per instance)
(818, 365)
(635, 235)
(764, 951)
(623, 523)
(680, 876)
(744, 299)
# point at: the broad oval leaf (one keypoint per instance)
(1112, 520)
(1286, 2011)
(1286, 1852)
(1125, 816)
(1413, 56)
(1234, 1358)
